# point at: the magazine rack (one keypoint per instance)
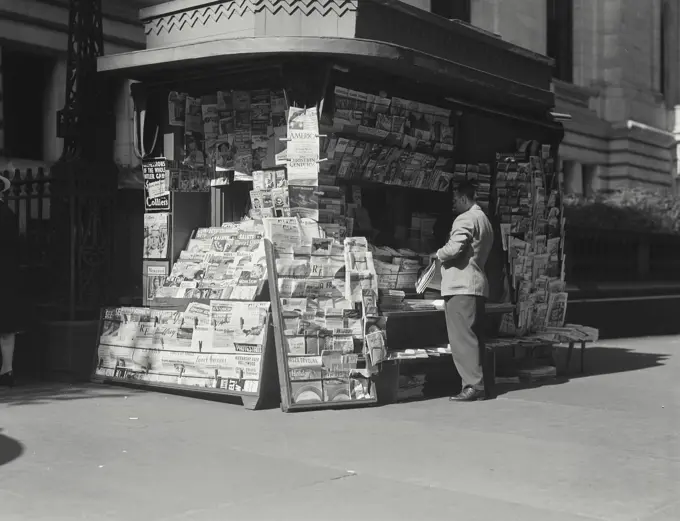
(264, 396)
(287, 402)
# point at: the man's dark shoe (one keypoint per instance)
(7, 379)
(469, 395)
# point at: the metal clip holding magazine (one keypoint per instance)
(291, 139)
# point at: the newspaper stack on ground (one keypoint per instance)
(574, 333)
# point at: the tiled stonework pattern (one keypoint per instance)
(226, 10)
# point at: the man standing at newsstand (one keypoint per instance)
(465, 289)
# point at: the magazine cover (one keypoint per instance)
(193, 149)
(249, 320)
(210, 114)
(156, 238)
(193, 115)
(156, 185)
(176, 108)
(303, 146)
(243, 159)
(281, 202)
(202, 339)
(155, 274)
(260, 145)
(557, 310)
(197, 314)
(304, 202)
(221, 313)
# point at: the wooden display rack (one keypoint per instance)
(266, 395)
(287, 404)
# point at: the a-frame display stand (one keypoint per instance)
(111, 369)
(288, 401)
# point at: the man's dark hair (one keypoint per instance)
(467, 188)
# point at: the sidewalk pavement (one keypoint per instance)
(605, 446)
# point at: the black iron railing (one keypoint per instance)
(29, 197)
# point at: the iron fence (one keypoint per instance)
(29, 197)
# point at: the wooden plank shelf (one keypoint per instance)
(491, 309)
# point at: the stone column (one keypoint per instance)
(592, 182)
(588, 41)
(124, 149)
(673, 84)
(55, 97)
(676, 132)
(672, 57)
(573, 177)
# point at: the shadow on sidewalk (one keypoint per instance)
(604, 359)
(599, 360)
(44, 393)
(10, 449)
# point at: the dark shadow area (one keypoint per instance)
(438, 391)
(504, 388)
(623, 211)
(185, 392)
(601, 360)
(628, 318)
(44, 393)
(10, 449)
(442, 379)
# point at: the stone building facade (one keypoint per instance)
(33, 44)
(617, 75)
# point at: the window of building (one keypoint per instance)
(25, 76)
(452, 9)
(560, 45)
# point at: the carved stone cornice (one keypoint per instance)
(393, 22)
(222, 11)
(387, 34)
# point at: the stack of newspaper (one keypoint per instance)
(574, 333)
(424, 280)
(420, 305)
(391, 299)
